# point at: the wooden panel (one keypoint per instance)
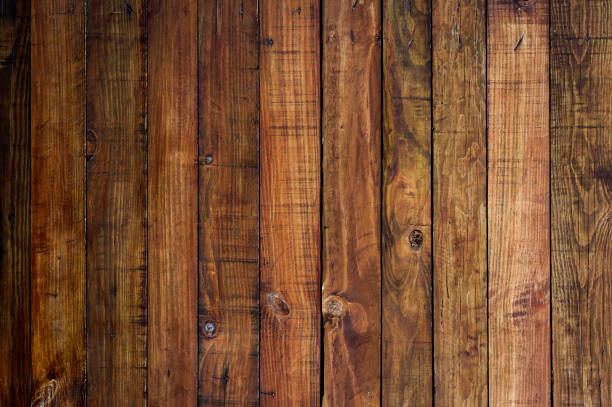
(229, 203)
(116, 203)
(351, 202)
(406, 213)
(581, 176)
(172, 203)
(290, 189)
(460, 203)
(58, 203)
(518, 205)
(15, 203)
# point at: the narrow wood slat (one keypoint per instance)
(290, 189)
(518, 203)
(351, 202)
(581, 207)
(406, 212)
(460, 203)
(15, 203)
(58, 203)
(229, 203)
(172, 203)
(116, 203)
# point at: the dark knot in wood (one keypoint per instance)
(416, 239)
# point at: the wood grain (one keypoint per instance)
(518, 209)
(406, 206)
(460, 203)
(15, 203)
(172, 203)
(290, 198)
(351, 202)
(229, 203)
(116, 203)
(581, 207)
(58, 203)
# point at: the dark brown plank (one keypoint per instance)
(58, 203)
(290, 198)
(518, 203)
(15, 203)
(406, 212)
(116, 203)
(351, 202)
(581, 207)
(229, 203)
(460, 203)
(172, 203)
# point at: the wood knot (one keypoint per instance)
(415, 239)
(210, 330)
(525, 3)
(45, 394)
(92, 144)
(278, 305)
(333, 307)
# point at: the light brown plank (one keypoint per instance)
(172, 203)
(290, 195)
(229, 203)
(518, 203)
(460, 203)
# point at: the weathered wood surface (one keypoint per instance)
(518, 203)
(581, 207)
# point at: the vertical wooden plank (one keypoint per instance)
(15, 203)
(58, 203)
(116, 203)
(351, 202)
(581, 207)
(229, 203)
(518, 204)
(406, 211)
(172, 203)
(460, 202)
(290, 198)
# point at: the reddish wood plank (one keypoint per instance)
(229, 203)
(172, 203)
(518, 204)
(290, 189)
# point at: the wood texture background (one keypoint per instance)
(305, 203)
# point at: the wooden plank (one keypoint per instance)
(518, 204)
(290, 197)
(116, 203)
(351, 71)
(406, 208)
(15, 203)
(460, 203)
(58, 203)
(581, 176)
(229, 203)
(172, 203)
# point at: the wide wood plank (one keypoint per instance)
(518, 203)
(351, 202)
(172, 203)
(406, 207)
(290, 195)
(15, 203)
(581, 207)
(116, 203)
(460, 203)
(58, 203)
(229, 203)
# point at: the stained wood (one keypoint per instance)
(229, 203)
(58, 203)
(581, 176)
(116, 203)
(172, 203)
(351, 202)
(459, 203)
(518, 203)
(290, 195)
(15, 203)
(406, 205)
